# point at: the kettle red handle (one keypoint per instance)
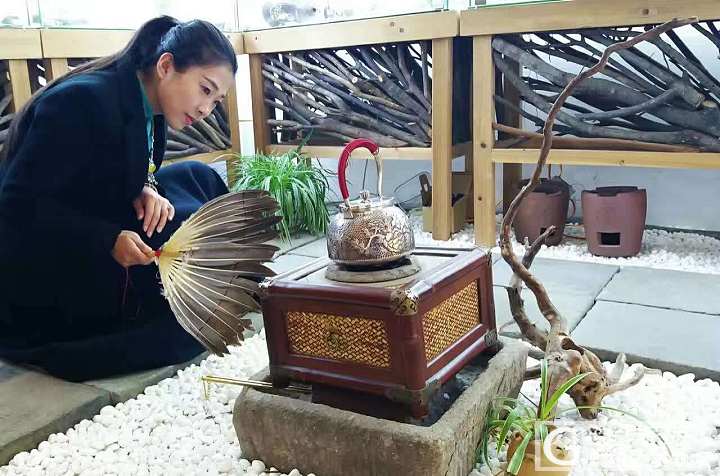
(352, 145)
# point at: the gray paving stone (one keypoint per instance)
(124, 387)
(572, 287)
(257, 323)
(295, 242)
(692, 292)
(34, 405)
(573, 306)
(562, 275)
(288, 262)
(316, 249)
(672, 340)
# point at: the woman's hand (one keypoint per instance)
(154, 210)
(130, 250)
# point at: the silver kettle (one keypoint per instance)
(368, 230)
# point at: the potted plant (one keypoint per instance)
(530, 450)
(295, 182)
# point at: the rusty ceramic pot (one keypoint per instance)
(368, 230)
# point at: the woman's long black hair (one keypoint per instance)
(193, 43)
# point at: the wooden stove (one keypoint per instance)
(400, 339)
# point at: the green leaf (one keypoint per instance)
(544, 383)
(299, 186)
(507, 425)
(547, 409)
(516, 460)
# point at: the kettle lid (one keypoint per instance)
(366, 202)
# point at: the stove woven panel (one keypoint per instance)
(353, 339)
(447, 322)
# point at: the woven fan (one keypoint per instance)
(211, 265)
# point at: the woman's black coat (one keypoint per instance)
(65, 195)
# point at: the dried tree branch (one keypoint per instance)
(564, 357)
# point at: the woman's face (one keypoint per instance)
(189, 96)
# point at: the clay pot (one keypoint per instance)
(545, 206)
(614, 219)
(531, 466)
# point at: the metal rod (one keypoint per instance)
(207, 379)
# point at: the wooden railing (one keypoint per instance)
(17, 47)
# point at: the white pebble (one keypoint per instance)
(258, 466)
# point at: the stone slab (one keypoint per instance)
(296, 241)
(289, 262)
(572, 286)
(124, 387)
(562, 275)
(672, 340)
(316, 249)
(573, 306)
(35, 405)
(692, 292)
(257, 322)
(332, 442)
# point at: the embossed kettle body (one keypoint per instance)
(367, 231)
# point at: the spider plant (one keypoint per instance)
(295, 182)
(508, 417)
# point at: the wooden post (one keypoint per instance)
(55, 67)
(261, 130)
(19, 82)
(512, 173)
(442, 71)
(483, 140)
(233, 117)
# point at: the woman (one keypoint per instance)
(81, 207)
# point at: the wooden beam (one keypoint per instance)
(420, 26)
(19, 82)
(207, 158)
(81, 43)
(261, 130)
(331, 152)
(20, 44)
(575, 14)
(442, 72)
(231, 105)
(67, 43)
(55, 67)
(677, 160)
(238, 42)
(483, 140)
(386, 153)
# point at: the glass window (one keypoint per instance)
(14, 13)
(261, 14)
(130, 14)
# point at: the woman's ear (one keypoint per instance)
(165, 65)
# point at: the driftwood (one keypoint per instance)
(565, 358)
(666, 97)
(210, 134)
(534, 140)
(380, 91)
